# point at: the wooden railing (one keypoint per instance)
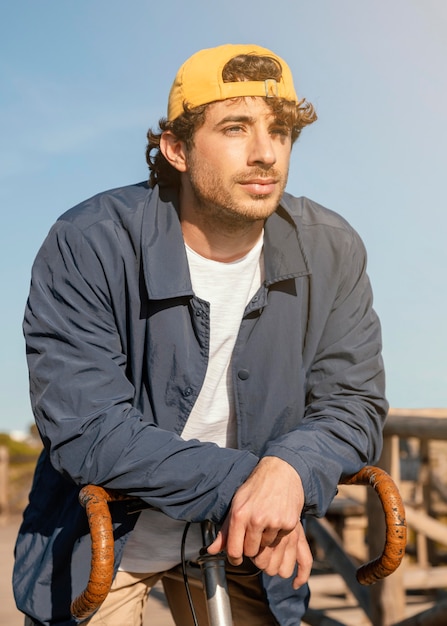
(415, 443)
(422, 428)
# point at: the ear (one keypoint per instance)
(174, 150)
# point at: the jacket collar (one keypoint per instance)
(165, 264)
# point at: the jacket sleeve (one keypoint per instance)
(345, 402)
(83, 401)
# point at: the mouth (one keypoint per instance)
(259, 186)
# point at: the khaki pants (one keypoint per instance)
(126, 602)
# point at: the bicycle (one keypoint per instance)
(95, 500)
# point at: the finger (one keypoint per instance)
(270, 561)
(218, 544)
(235, 547)
(288, 563)
(280, 559)
(253, 541)
(258, 537)
(270, 538)
(235, 542)
(302, 576)
(304, 559)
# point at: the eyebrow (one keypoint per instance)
(248, 119)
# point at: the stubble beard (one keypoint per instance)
(216, 205)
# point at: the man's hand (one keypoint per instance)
(264, 522)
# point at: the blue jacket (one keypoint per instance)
(117, 350)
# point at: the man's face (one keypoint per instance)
(237, 167)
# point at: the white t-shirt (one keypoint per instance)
(154, 544)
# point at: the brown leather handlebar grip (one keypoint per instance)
(396, 527)
(96, 499)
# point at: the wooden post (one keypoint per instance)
(4, 471)
(423, 499)
(388, 595)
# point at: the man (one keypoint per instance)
(206, 343)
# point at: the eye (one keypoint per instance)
(234, 129)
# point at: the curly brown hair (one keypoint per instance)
(243, 67)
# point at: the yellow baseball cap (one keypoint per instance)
(199, 80)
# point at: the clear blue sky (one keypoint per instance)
(82, 81)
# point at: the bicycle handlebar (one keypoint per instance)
(396, 527)
(96, 499)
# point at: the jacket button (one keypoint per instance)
(187, 391)
(243, 374)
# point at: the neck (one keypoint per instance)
(217, 236)
(221, 246)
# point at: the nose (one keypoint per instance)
(261, 150)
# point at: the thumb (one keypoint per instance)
(218, 544)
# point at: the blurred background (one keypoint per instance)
(80, 84)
